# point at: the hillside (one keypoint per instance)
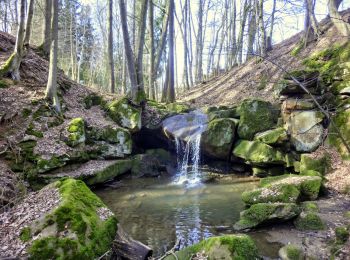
(256, 78)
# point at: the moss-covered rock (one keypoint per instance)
(163, 156)
(236, 247)
(308, 220)
(309, 206)
(258, 153)
(93, 100)
(178, 108)
(265, 213)
(125, 114)
(47, 164)
(217, 140)
(291, 252)
(256, 116)
(311, 163)
(225, 113)
(80, 227)
(145, 165)
(76, 132)
(272, 137)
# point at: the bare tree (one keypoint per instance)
(171, 86)
(46, 41)
(310, 25)
(199, 44)
(29, 22)
(272, 23)
(110, 46)
(51, 87)
(151, 91)
(342, 26)
(262, 39)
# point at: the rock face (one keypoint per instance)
(224, 247)
(125, 114)
(256, 116)
(311, 163)
(217, 140)
(305, 130)
(265, 213)
(65, 220)
(272, 137)
(76, 130)
(258, 153)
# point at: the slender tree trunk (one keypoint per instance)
(251, 32)
(151, 46)
(244, 14)
(110, 46)
(263, 49)
(185, 71)
(342, 26)
(199, 47)
(46, 41)
(51, 87)
(135, 91)
(269, 38)
(234, 41)
(171, 85)
(29, 22)
(140, 43)
(310, 26)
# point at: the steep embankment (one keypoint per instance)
(257, 78)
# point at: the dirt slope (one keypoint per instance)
(256, 78)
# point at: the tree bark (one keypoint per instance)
(135, 91)
(251, 32)
(342, 26)
(269, 38)
(110, 46)
(51, 87)
(263, 49)
(199, 47)
(241, 32)
(29, 22)
(46, 41)
(151, 54)
(171, 86)
(310, 25)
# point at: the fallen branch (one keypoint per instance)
(304, 88)
(171, 251)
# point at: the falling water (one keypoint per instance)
(187, 130)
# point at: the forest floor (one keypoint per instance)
(256, 78)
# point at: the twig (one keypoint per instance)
(105, 254)
(171, 251)
(312, 97)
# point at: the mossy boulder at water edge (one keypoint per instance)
(218, 138)
(237, 247)
(266, 213)
(256, 116)
(76, 132)
(79, 227)
(125, 114)
(258, 153)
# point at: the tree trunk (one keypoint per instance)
(129, 55)
(185, 71)
(46, 41)
(110, 46)
(251, 32)
(199, 47)
(244, 13)
(234, 41)
(310, 26)
(140, 43)
(269, 38)
(171, 86)
(151, 53)
(29, 22)
(262, 39)
(342, 26)
(51, 87)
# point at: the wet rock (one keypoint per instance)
(256, 116)
(291, 252)
(265, 213)
(272, 137)
(223, 247)
(258, 153)
(145, 165)
(125, 114)
(217, 140)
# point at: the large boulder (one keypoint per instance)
(125, 114)
(256, 116)
(266, 213)
(217, 140)
(306, 130)
(145, 165)
(64, 220)
(237, 246)
(311, 162)
(258, 153)
(222, 113)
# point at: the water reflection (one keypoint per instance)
(158, 214)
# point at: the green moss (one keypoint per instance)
(76, 129)
(309, 221)
(5, 68)
(26, 112)
(273, 136)
(347, 214)
(178, 108)
(44, 165)
(258, 153)
(264, 80)
(237, 247)
(26, 234)
(31, 131)
(93, 100)
(309, 206)
(291, 252)
(341, 234)
(5, 83)
(226, 113)
(298, 48)
(265, 213)
(273, 193)
(256, 116)
(76, 213)
(125, 114)
(320, 164)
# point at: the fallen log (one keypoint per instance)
(124, 247)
